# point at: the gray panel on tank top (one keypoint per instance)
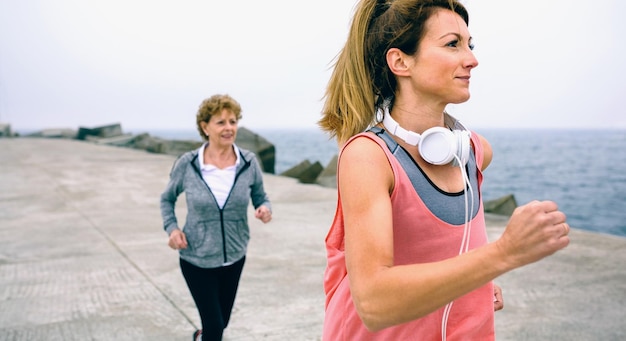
(449, 207)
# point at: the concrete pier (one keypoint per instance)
(83, 256)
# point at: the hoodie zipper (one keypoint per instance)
(221, 210)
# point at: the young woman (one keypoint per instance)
(408, 255)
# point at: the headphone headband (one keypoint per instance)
(437, 145)
(393, 127)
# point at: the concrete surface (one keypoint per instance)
(83, 257)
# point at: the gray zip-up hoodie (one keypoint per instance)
(214, 236)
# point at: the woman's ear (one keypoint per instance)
(204, 125)
(398, 62)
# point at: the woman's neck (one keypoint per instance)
(219, 156)
(417, 119)
(417, 114)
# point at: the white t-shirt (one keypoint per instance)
(220, 181)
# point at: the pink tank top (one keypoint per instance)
(471, 316)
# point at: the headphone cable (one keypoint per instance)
(466, 237)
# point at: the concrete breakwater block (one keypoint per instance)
(314, 173)
(163, 146)
(5, 130)
(110, 130)
(297, 170)
(55, 133)
(306, 172)
(124, 140)
(504, 205)
(310, 174)
(328, 177)
(264, 149)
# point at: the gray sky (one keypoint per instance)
(148, 64)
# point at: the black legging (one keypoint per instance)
(213, 290)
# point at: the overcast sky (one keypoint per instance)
(149, 64)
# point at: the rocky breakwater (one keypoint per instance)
(113, 135)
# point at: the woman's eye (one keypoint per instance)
(471, 46)
(453, 43)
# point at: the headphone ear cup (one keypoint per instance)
(464, 145)
(438, 146)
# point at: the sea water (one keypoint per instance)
(583, 171)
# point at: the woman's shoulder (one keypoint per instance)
(185, 158)
(364, 142)
(364, 148)
(365, 160)
(188, 156)
(484, 153)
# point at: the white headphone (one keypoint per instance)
(436, 145)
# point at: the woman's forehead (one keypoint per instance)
(444, 22)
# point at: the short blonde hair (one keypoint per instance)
(214, 105)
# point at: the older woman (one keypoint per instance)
(218, 179)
